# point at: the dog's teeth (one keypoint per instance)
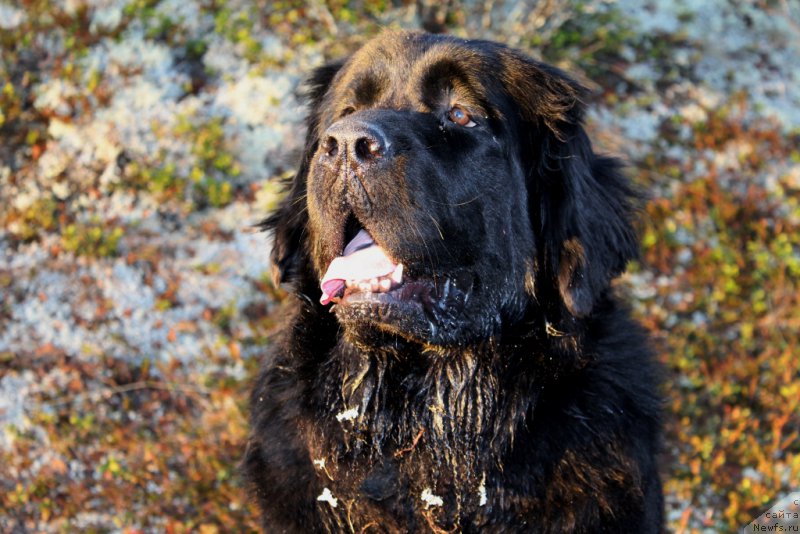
(373, 285)
(364, 286)
(386, 284)
(397, 275)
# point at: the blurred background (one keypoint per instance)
(141, 139)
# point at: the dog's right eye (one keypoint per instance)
(461, 117)
(347, 111)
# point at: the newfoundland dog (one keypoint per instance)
(454, 358)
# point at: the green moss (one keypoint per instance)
(208, 183)
(195, 48)
(40, 217)
(144, 9)
(93, 239)
(162, 181)
(215, 166)
(217, 193)
(589, 38)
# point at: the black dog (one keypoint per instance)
(454, 359)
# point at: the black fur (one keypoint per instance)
(506, 382)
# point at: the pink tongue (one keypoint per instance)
(362, 259)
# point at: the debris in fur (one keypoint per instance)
(347, 415)
(328, 497)
(320, 464)
(430, 499)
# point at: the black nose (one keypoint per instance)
(359, 141)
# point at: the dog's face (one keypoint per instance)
(447, 188)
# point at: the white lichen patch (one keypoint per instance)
(482, 492)
(14, 392)
(430, 499)
(11, 17)
(327, 496)
(347, 415)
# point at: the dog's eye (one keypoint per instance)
(460, 116)
(347, 111)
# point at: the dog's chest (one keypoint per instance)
(411, 489)
(419, 455)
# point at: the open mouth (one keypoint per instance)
(364, 283)
(363, 267)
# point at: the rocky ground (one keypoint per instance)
(140, 140)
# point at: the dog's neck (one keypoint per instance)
(388, 407)
(404, 398)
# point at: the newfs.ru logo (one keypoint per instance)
(784, 516)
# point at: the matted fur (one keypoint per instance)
(511, 392)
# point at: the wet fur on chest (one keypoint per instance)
(443, 440)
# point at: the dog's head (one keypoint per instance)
(447, 189)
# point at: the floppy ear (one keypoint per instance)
(290, 257)
(587, 208)
(581, 204)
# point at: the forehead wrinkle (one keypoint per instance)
(386, 60)
(368, 87)
(470, 64)
(357, 71)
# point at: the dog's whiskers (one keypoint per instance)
(457, 204)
